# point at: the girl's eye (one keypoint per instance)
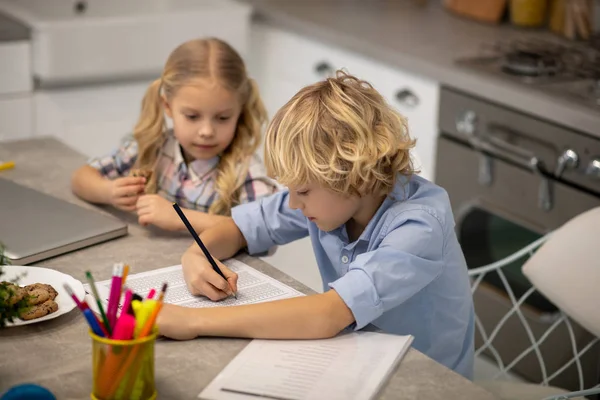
(224, 118)
(302, 192)
(191, 117)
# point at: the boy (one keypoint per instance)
(384, 238)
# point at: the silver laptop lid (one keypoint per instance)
(35, 226)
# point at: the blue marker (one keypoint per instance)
(93, 322)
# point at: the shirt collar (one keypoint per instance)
(400, 192)
(198, 170)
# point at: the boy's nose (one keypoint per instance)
(294, 203)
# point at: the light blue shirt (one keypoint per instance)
(406, 273)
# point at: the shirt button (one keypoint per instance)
(345, 259)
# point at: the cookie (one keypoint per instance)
(145, 173)
(40, 310)
(35, 286)
(43, 286)
(37, 293)
(51, 291)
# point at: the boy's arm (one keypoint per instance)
(309, 317)
(257, 225)
(258, 188)
(269, 222)
(223, 241)
(408, 259)
(317, 316)
(202, 221)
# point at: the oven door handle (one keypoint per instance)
(494, 146)
(497, 147)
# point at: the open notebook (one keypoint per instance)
(253, 287)
(349, 366)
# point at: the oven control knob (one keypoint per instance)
(593, 169)
(567, 160)
(466, 123)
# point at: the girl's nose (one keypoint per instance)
(206, 130)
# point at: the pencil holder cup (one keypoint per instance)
(123, 369)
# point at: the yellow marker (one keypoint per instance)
(6, 165)
(142, 311)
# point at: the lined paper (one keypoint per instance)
(253, 287)
(350, 366)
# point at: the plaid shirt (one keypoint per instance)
(191, 186)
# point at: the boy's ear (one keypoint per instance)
(166, 106)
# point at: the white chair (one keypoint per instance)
(564, 266)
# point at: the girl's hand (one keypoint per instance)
(176, 322)
(202, 280)
(124, 192)
(156, 210)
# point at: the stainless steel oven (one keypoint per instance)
(511, 178)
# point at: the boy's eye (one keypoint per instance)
(302, 192)
(191, 117)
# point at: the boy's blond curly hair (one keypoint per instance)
(341, 134)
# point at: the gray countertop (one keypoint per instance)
(426, 41)
(57, 353)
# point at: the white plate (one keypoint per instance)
(50, 277)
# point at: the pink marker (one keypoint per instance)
(115, 294)
(83, 305)
(124, 328)
(151, 294)
(74, 297)
(126, 302)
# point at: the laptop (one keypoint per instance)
(35, 226)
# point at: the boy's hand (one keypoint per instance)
(124, 192)
(176, 322)
(202, 280)
(155, 210)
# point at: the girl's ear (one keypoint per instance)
(166, 106)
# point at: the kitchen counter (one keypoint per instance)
(426, 41)
(57, 353)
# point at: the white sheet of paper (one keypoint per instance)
(350, 366)
(253, 287)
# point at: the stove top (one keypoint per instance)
(568, 70)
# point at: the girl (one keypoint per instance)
(206, 163)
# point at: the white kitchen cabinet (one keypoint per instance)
(16, 86)
(93, 119)
(15, 67)
(108, 39)
(284, 62)
(16, 117)
(417, 99)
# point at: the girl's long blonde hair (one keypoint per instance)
(204, 59)
(341, 134)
